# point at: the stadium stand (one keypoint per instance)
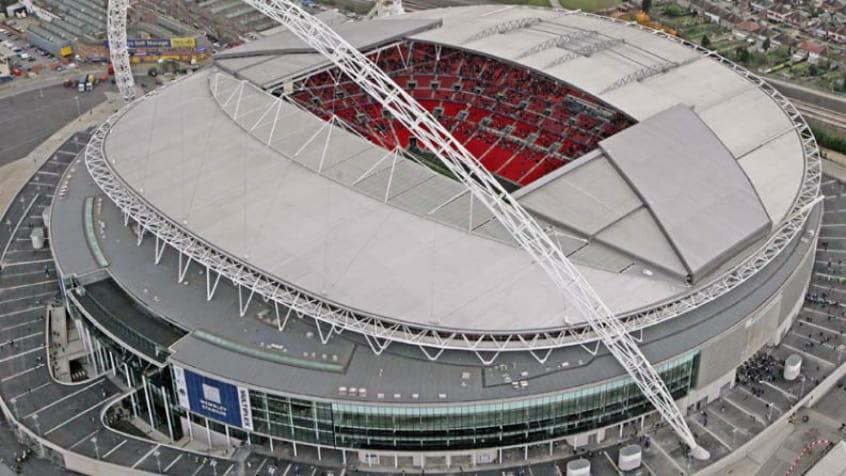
(519, 125)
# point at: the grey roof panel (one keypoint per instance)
(359, 34)
(698, 193)
(588, 198)
(638, 235)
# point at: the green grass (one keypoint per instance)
(590, 5)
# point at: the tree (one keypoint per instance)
(706, 42)
(743, 55)
(646, 5)
(766, 44)
(813, 69)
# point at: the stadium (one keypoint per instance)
(272, 258)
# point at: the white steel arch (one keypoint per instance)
(118, 49)
(525, 230)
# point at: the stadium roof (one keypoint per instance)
(328, 212)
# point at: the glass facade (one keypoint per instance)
(504, 423)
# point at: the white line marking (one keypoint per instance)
(145, 456)
(122, 442)
(178, 457)
(56, 402)
(74, 417)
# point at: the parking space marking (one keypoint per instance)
(145, 456)
(198, 468)
(178, 457)
(56, 402)
(84, 438)
(261, 465)
(661, 450)
(74, 417)
(49, 382)
(12, 357)
(808, 354)
(122, 442)
(27, 323)
(22, 372)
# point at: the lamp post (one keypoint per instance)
(96, 448)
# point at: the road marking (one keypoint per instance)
(29, 309)
(122, 442)
(717, 415)
(608, 457)
(39, 283)
(74, 417)
(11, 264)
(755, 417)
(198, 468)
(27, 298)
(707, 430)
(27, 323)
(287, 468)
(260, 466)
(228, 469)
(787, 394)
(84, 438)
(49, 382)
(145, 456)
(661, 450)
(765, 402)
(28, 336)
(21, 354)
(56, 402)
(22, 372)
(812, 356)
(178, 457)
(648, 468)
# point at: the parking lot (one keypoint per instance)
(37, 59)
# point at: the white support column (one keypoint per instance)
(190, 426)
(208, 433)
(132, 400)
(147, 399)
(211, 288)
(183, 268)
(168, 416)
(159, 249)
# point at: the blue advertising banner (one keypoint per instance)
(206, 396)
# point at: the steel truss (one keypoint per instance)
(498, 29)
(118, 48)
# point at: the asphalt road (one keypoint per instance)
(29, 118)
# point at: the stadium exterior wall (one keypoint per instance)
(711, 366)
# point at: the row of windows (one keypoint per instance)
(462, 427)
